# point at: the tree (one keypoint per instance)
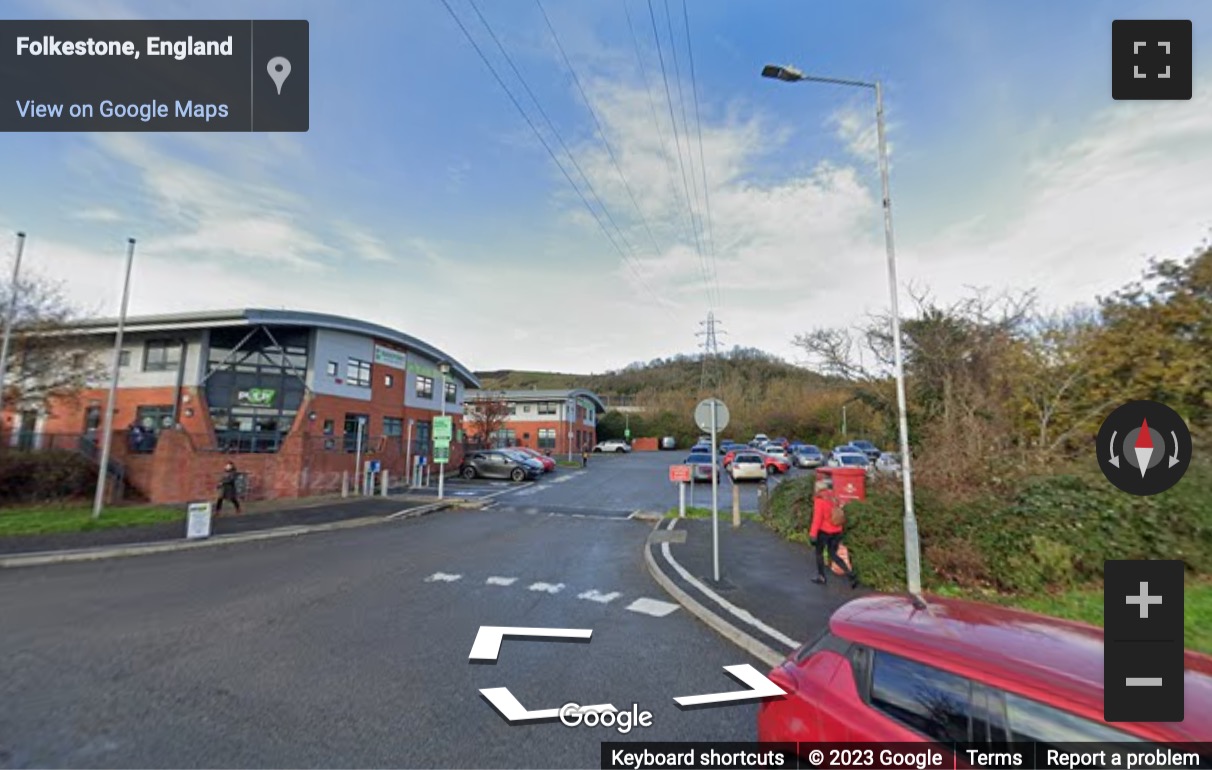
(486, 416)
(43, 364)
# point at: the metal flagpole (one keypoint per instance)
(10, 315)
(358, 480)
(107, 436)
(442, 465)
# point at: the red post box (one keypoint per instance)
(848, 483)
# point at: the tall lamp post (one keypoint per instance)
(913, 566)
(444, 370)
(10, 314)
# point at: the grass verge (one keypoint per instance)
(696, 512)
(1086, 604)
(69, 517)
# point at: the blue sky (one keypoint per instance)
(421, 199)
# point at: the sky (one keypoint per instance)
(421, 198)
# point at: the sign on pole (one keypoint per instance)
(679, 473)
(443, 429)
(197, 523)
(441, 454)
(706, 419)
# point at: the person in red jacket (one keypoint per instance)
(828, 527)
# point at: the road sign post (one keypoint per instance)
(680, 474)
(443, 432)
(712, 415)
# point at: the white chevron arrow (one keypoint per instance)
(509, 707)
(487, 645)
(759, 687)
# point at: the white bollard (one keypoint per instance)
(344, 483)
(386, 477)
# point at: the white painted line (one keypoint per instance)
(501, 581)
(551, 588)
(734, 610)
(442, 577)
(657, 609)
(594, 596)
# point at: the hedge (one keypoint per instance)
(36, 477)
(1050, 533)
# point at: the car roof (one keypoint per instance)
(1035, 655)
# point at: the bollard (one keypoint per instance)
(763, 498)
(736, 506)
(681, 499)
(386, 483)
(344, 483)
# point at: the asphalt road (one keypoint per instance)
(350, 648)
(619, 485)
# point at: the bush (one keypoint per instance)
(1049, 534)
(35, 477)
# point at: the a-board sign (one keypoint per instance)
(197, 522)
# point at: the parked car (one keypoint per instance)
(889, 463)
(849, 460)
(808, 456)
(868, 448)
(522, 456)
(747, 465)
(784, 443)
(548, 463)
(701, 463)
(669, 442)
(777, 450)
(759, 440)
(888, 670)
(775, 464)
(499, 464)
(845, 449)
(612, 446)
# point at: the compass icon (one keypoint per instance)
(1144, 447)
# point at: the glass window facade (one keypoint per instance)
(424, 387)
(451, 392)
(255, 392)
(547, 438)
(161, 355)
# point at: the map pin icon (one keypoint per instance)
(279, 70)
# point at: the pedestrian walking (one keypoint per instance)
(584, 458)
(229, 488)
(828, 528)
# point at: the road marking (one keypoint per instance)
(501, 581)
(656, 609)
(487, 645)
(600, 598)
(759, 688)
(732, 608)
(548, 587)
(442, 577)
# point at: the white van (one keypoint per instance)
(669, 442)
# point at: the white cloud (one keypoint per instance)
(99, 214)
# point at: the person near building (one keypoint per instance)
(828, 529)
(229, 490)
(584, 458)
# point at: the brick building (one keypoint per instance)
(561, 421)
(283, 394)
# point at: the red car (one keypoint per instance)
(549, 464)
(773, 464)
(886, 670)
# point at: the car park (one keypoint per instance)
(867, 448)
(701, 464)
(612, 446)
(499, 464)
(808, 456)
(885, 665)
(748, 465)
(548, 463)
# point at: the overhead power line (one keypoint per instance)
(601, 131)
(555, 159)
(698, 121)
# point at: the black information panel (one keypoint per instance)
(1143, 641)
(154, 76)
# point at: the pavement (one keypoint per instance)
(764, 600)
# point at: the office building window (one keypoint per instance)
(547, 407)
(526, 408)
(356, 424)
(161, 355)
(452, 392)
(332, 369)
(255, 385)
(393, 426)
(357, 372)
(547, 438)
(124, 358)
(424, 387)
(329, 427)
(388, 380)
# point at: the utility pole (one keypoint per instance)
(107, 438)
(709, 380)
(10, 315)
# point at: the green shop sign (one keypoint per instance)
(256, 397)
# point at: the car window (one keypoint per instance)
(1033, 721)
(932, 702)
(988, 723)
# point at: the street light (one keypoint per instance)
(444, 369)
(913, 566)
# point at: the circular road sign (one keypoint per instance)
(1144, 447)
(702, 414)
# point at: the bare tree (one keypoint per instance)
(487, 415)
(45, 363)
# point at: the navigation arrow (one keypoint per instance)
(759, 687)
(514, 712)
(1114, 457)
(487, 645)
(1174, 457)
